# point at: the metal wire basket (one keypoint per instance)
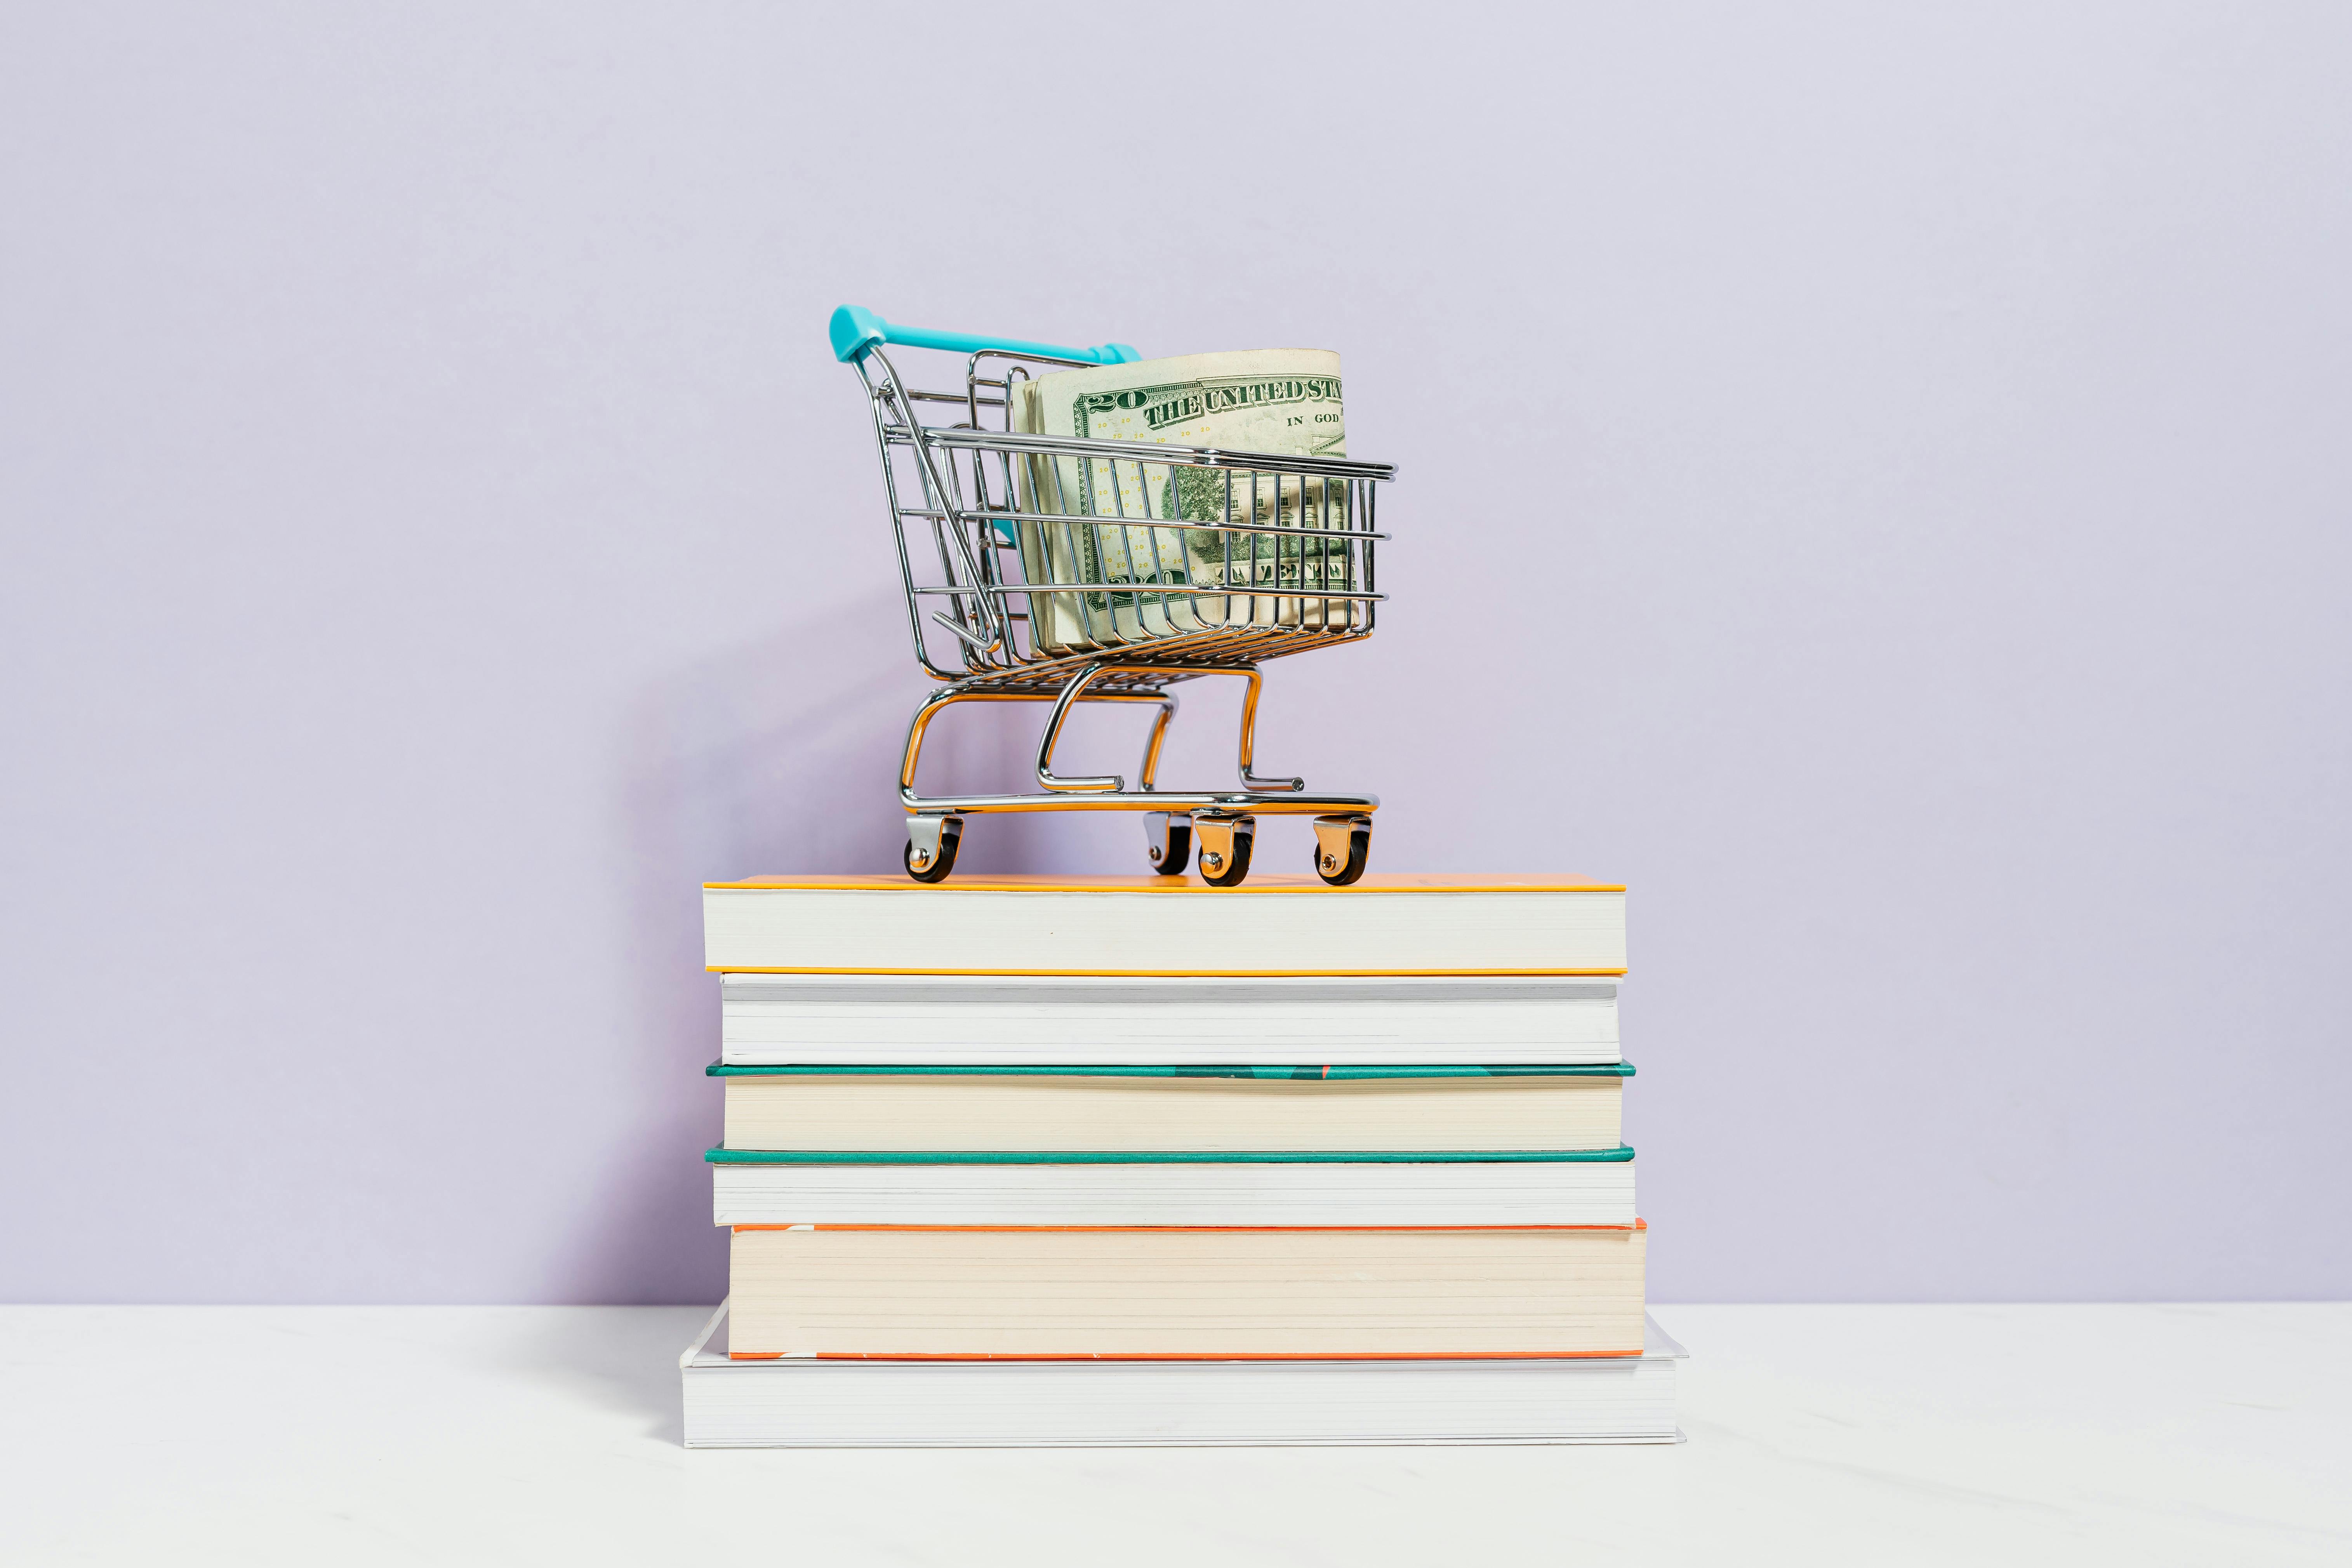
(1050, 569)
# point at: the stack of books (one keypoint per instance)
(1135, 1160)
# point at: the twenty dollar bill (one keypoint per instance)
(1284, 402)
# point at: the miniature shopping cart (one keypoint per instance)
(1059, 570)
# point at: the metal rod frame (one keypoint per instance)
(1258, 797)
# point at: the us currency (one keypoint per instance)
(1280, 400)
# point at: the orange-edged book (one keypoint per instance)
(1147, 926)
(973, 1292)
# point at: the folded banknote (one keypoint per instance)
(1284, 402)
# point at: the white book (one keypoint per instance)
(805, 1403)
(1385, 924)
(769, 1019)
(1304, 1193)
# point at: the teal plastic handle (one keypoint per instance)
(856, 330)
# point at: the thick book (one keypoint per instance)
(920, 1019)
(1227, 1293)
(810, 1402)
(1148, 925)
(1301, 1110)
(1253, 1189)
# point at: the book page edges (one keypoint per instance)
(1183, 973)
(1639, 1224)
(1634, 1354)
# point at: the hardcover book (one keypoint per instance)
(1108, 1020)
(1090, 1291)
(807, 1401)
(1301, 1110)
(1148, 925)
(1351, 1189)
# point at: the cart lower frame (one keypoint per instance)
(1222, 821)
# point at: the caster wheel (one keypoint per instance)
(1170, 844)
(1226, 868)
(1335, 864)
(936, 865)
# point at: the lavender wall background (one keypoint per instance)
(437, 538)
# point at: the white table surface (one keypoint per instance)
(1881, 1434)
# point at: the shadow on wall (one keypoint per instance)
(780, 756)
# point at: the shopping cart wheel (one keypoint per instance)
(1166, 841)
(1225, 848)
(1342, 844)
(931, 850)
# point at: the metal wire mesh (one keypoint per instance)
(1026, 557)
